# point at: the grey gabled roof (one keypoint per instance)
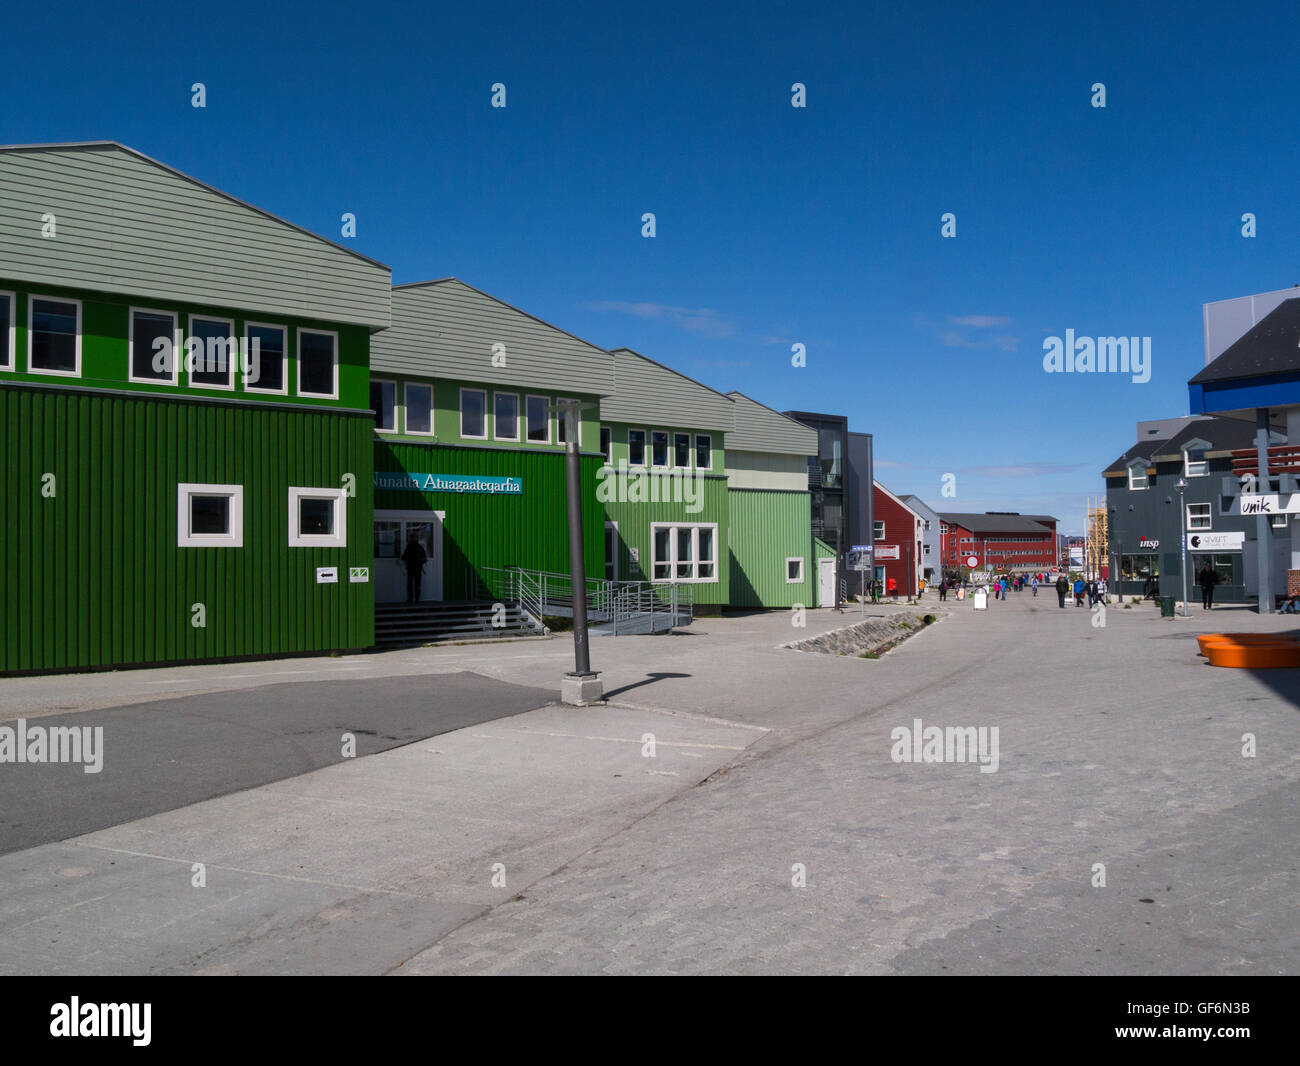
(649, 392)
(997, 523)
(914, 501)
(760, 428)
(1270, 347)
(447, 328)
(126, 223)
(1222, 434)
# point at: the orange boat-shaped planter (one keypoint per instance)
(1206, 639)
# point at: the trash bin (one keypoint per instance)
(981, 600)
(1166, 607)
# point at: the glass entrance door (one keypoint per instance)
(393, 530)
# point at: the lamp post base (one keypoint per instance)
(582, 690)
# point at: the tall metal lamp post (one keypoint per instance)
(582, 686)
(1182, 536)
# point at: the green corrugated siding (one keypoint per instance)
(530, 530)
(93, 576)
(767, 527)
(634, 521)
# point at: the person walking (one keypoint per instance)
(1078, 592)
(1101, 589)
(1062, 587)
(943, 590)
(1207, 580)
(1033, 584)
(414, 557)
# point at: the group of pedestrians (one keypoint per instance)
(1094, 590)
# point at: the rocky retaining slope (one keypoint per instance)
(867, 639)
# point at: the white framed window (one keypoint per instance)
(419, 408)
(209, 516)
(793, 570)
(703, 451)
(318, 363)
(878, 531)
(473, 414)
(537, 419)
(54, 336)
(211, 353)
(154, 346)
(1194, 462)
(659, 448)
(1279, 521)
(607, 444)
(636, 447)
(266, 358)
(317, 518)
(8, 330)
(505, 416)
(684, 552)
(1137, 475)
(383, 402)
(682, 451)
(559, 420)
(1198, 516)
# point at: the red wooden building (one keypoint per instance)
(998, 540)
(897, 538)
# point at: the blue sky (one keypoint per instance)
(775, 225)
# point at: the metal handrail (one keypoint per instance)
(614, 601)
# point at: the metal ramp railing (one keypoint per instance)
(625, 606)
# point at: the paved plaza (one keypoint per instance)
(485, 829)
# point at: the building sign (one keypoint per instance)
(1148, 542)
(459, 483)
(859, 557)
(1248, 504)
(359, 575)
(327, 575)
(886, 551)
(1215, 542)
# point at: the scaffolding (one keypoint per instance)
(1096, 548)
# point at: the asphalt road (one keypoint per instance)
(166, 754)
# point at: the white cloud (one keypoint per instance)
(700, 321)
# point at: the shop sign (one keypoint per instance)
(1215, 542)
(458, 483)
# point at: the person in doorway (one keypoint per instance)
(1207, 579)
(1062, 587)
(414, 557)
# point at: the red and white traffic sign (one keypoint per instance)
(972, 560)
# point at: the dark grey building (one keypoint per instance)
(839, 479)
(859, 503)
(1148, 512)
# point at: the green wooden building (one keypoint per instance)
(220, 430)
(463, 386)
(774, 559)
(184, 419)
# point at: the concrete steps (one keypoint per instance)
(424, 623)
